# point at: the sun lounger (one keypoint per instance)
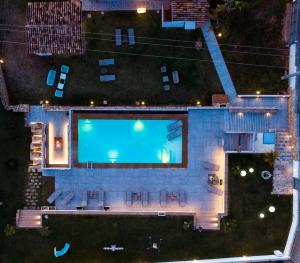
(67, 199)
(174, 134)
(118, 36)
(163, 198)
(101, 199)
(166, 87)
(174, 125)
(83, 198)
(211, 166)
(131, 37)
(64, 69)
(106, 62)
(107, 78)
(145, 198)
(175, 77)
(54, 196)
(182, 198)
(214, 190)
(51, 77)
(129, 198)
(59, 93)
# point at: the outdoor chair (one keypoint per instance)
(131, 37)
(60, 86)
(118, 37)
(165, 79)
(64, 69)
(163, 69)
(107, 78)
(59, 93)
(166, 87)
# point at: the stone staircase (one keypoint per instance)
(208, 221)
(28, 219)
(33, 190)
(283, 167)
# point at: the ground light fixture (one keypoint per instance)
(251, 170)
(257, 92)
(47, 102)
(143, 103)
(141, 10)
(220, 34)
(243, 173)
(272, 209)
(92, 103)
(1, 61)
(198, 103)
(261, 215)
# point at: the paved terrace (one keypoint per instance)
(206, 128)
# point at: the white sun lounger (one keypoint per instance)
(118, 36)
(174, 125)
(214, 190)
(131, 37)
(54, 196)
(128, 198)
(107, 78)
(145, 198)
(211, 166)
(101, 199)
(163, 198)
(182, 198)
(106, 62)
(83, 198)
(70, 195)
(174, 134)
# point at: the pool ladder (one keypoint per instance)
(89, 165)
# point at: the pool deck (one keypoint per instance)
(206, 129)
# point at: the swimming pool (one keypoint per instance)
(129, 141)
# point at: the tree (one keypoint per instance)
(9, 230)
(270, 157)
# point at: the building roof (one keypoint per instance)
(218, 99)
(54, 27)
(190, 10)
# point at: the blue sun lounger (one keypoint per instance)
(70, 195)
(83, 202)
(51, 77)
(107, 78)
(174, 125)
(118, 36)
(131, 37)
(64, 69)
(145, 198)
(174, 134)
(54, 196)
(106, 62)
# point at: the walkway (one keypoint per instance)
(218, 60)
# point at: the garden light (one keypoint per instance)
(272, 209)
(243, 173)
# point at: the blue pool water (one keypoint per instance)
(127, 141)
(269, 138)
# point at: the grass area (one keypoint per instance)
(138, 77)
(259, 24)
(243, 233)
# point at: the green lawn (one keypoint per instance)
(243, 233)
(138, 77)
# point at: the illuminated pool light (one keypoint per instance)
(165, 157)
(138, 126)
